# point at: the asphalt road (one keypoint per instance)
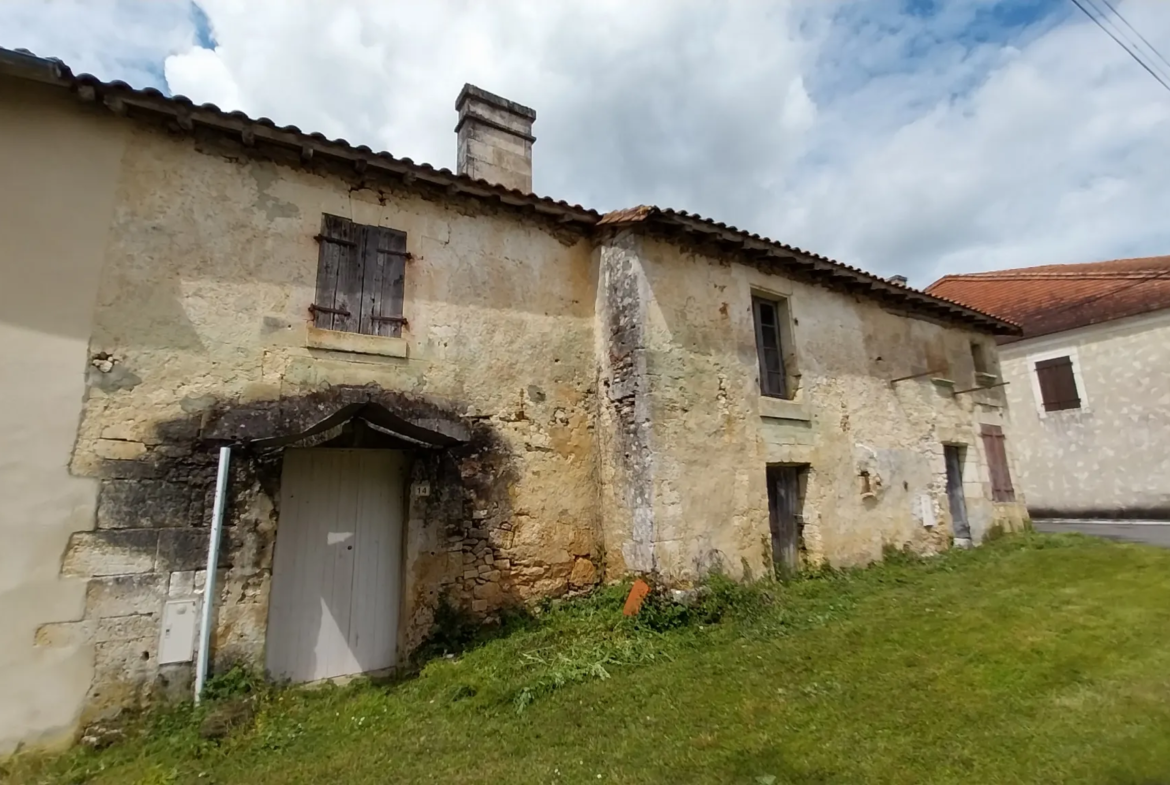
(1150, 532)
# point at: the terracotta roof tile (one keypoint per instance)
(1056, 297)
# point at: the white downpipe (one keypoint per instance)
(221, 482)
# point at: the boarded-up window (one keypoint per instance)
(768, 314)
(360, 276)
(1058, 384)
(997, 464)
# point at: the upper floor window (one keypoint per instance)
(979, 357)
(360, 275)
(984, 372)
(1058, 384)
(770, 318)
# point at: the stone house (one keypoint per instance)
(430, 384)
(1088, 382)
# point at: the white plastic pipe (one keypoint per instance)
(221, 482)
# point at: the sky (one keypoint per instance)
(913, 137)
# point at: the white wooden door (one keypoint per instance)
(337, 570)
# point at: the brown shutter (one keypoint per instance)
(348, 299)
(997, 464)
(384, 252)
(1058, 384)
(338, 252)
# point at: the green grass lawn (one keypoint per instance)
(1034, 659)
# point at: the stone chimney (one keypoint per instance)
(495, 138)
(898, 279)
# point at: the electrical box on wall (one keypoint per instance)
(179, 620)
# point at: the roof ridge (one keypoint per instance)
(1023, 275)
(1073, 269)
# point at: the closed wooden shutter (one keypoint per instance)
(1058, 384)
(361, 273)
(335, 260)
(384, 272)
(997, 464)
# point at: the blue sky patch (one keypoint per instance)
(204, 34)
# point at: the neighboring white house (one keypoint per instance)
(1088, 383)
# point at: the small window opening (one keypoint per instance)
(979, 356)
(769, 318)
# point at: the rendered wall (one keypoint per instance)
(1106, 459)
(58, 168)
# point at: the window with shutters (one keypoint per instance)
(997, 464)
(361, 271)
(1058, 384)
(771, 319)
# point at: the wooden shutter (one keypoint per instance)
(768, 349)
(361, 273)
(335, 262)
(997, 464)
(1058, 384)
(384, 272)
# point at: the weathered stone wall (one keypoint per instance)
(1106, 459)
(607, 385)
(202, 318)
(874, 449)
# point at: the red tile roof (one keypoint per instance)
(1057, 297)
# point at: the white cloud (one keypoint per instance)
(911, 144)
(114, 39)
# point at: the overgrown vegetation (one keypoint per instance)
(1035, 658)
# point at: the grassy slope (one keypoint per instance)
(1034, 659)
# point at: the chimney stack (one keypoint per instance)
(495, 138)
(898, 279)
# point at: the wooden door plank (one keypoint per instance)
(316, 625)
(371, 521)
(340, 545)
(370, 517)
(282, 609)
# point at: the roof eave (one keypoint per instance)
(121, 98)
